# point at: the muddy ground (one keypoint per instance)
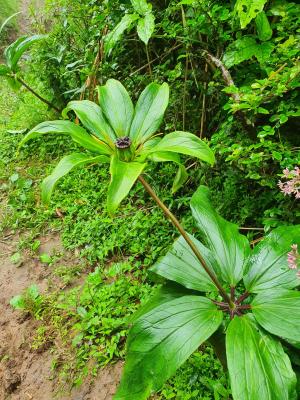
(26, 373)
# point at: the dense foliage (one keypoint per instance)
(250, 117)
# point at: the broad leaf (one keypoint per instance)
(149, 112)
(244, 49)
(229, 247)
(163, 294)
(117, 106)
(123, 177)
(92, 118)
(146, 27)
(263, 52)
(181, 175)
(68, 163)
(161, 341)
(264, 31)
(278, 311)
(115, 35)
(180, 178)
(78, 134)
(248, 9)
(185, 143)
(258, 366)
(181, 265)
(141, 6)
(267, 267)
(14, 52)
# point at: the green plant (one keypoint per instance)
(30, 300)
(186, 311)
(10, 70)
(122, 135)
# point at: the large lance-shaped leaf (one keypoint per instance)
(78, 134)
(258, 367)
(115, 35)
(278, 311)
(268, 268)
(14, 52)
(229, 247)
(149, 112)
(161, 341)
(181, 265)
(117, 106)
(123, 177)
(185, 143)
(146, 27)
(165, 156)
(163, 294)
(68, 163)
(92, 118)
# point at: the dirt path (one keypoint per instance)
(25, 373)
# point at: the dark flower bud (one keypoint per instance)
(123, 142)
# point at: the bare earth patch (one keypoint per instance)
(25, 373)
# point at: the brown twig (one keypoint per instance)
(203, 114)
(155, 59)
(225, 73)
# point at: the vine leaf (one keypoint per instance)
(247, 10)
(146, 27)
(244, 49)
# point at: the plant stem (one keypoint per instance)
(49, 104)
(192, 245)
(242, 298)
(148, 60)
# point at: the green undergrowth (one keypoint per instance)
(89, 324)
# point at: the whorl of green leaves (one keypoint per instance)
(116, 120)
(182, 313)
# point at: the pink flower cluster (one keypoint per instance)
(292, 185)
(293, 259)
